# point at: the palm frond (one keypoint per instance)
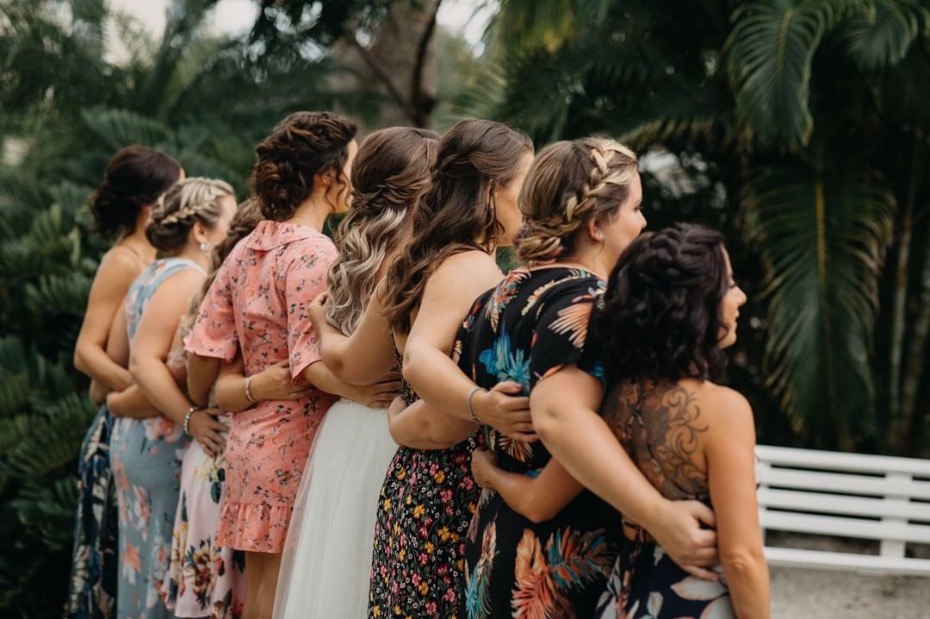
(822, 240)
(769, 61)
(120, 127)
(881, 35)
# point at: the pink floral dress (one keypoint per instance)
(259, 302)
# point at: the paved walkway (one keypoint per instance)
(815, 594)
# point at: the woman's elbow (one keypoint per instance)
(538, 513)
(80, 363)
(743, 562)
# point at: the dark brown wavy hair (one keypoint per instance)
(303, 145)
(134, 178)
(390, 175)
(661, 317)
(457, 213)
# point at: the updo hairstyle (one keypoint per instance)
(457, 213)
(569, 183)
(390, 174)
(134, 178)
(661, 317)
(303, 145)
(186, 203)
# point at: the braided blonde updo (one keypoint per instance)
(178, 209)
(569, 183)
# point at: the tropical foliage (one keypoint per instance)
(800, 126)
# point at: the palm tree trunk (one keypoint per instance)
(898, 428)
(915, 364)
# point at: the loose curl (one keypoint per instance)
(662, 310)
(134, 178)
(188, 202)
(457, 214)
(390, 174)
(303, 145)
(569, 183)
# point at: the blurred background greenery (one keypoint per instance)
(798, 127)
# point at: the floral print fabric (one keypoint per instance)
(146, 459)
(92, 592)
(529, 327)
(259, 301)
(205, 579)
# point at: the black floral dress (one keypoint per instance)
(532, 325)
(426, 503)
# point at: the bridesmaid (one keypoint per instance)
(428, 497)
(189, 220)
(327, 559)
(670, 310)
(132, 182)
(258, 303)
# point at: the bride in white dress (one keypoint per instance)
(327, 557)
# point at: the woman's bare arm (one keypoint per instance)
(729, 449)
(428, 366)
(564, 408)
(117, 271)
(150, 349)
(537, 498)
(272, 383)
(364, 356)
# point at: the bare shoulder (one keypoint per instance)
(120, 262)
(728, 408)
(472, 264)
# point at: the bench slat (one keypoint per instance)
(835, 504)
(844, 527)
(816, 559)
(843, 483)
(839, 461)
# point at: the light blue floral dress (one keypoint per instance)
(146, 459)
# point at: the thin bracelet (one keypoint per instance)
(248, 390)
(187, 418)
(468, 408)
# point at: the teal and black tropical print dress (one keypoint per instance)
(529, 327)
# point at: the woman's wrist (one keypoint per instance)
(248, 390)
(187, 418)
(470, 405)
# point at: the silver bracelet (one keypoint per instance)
(187, 418)
(248, 390)
(468, 408)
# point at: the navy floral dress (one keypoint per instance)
(529, 327)
(426, 504)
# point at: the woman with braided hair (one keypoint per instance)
(327, 560)
(147, 444)
(540, 544)
(670, 309)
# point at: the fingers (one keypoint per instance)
(508, 387)
(283, 363)
(701, 572)
(526, 437)
(702, 513)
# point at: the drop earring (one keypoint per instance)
(204, 246)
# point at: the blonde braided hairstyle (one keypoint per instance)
(187, 202)
(569, 183)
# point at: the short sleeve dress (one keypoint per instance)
(259, 302)
(531, 326)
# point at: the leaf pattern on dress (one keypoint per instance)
(501, 362)
(533, 595)
(574, 320)
(477, 596)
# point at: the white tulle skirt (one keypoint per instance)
(327, 557)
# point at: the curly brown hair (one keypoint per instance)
(661, 317)
(303, 145)
(134, 178)
(457, 213)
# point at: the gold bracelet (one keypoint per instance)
(248, 390)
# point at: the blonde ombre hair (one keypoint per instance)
(390, 174)
(569, 183)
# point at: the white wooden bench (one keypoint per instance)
(845, 495)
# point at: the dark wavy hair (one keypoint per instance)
(134, 178)
(457, 214)
(303, 145)
(661, 315)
